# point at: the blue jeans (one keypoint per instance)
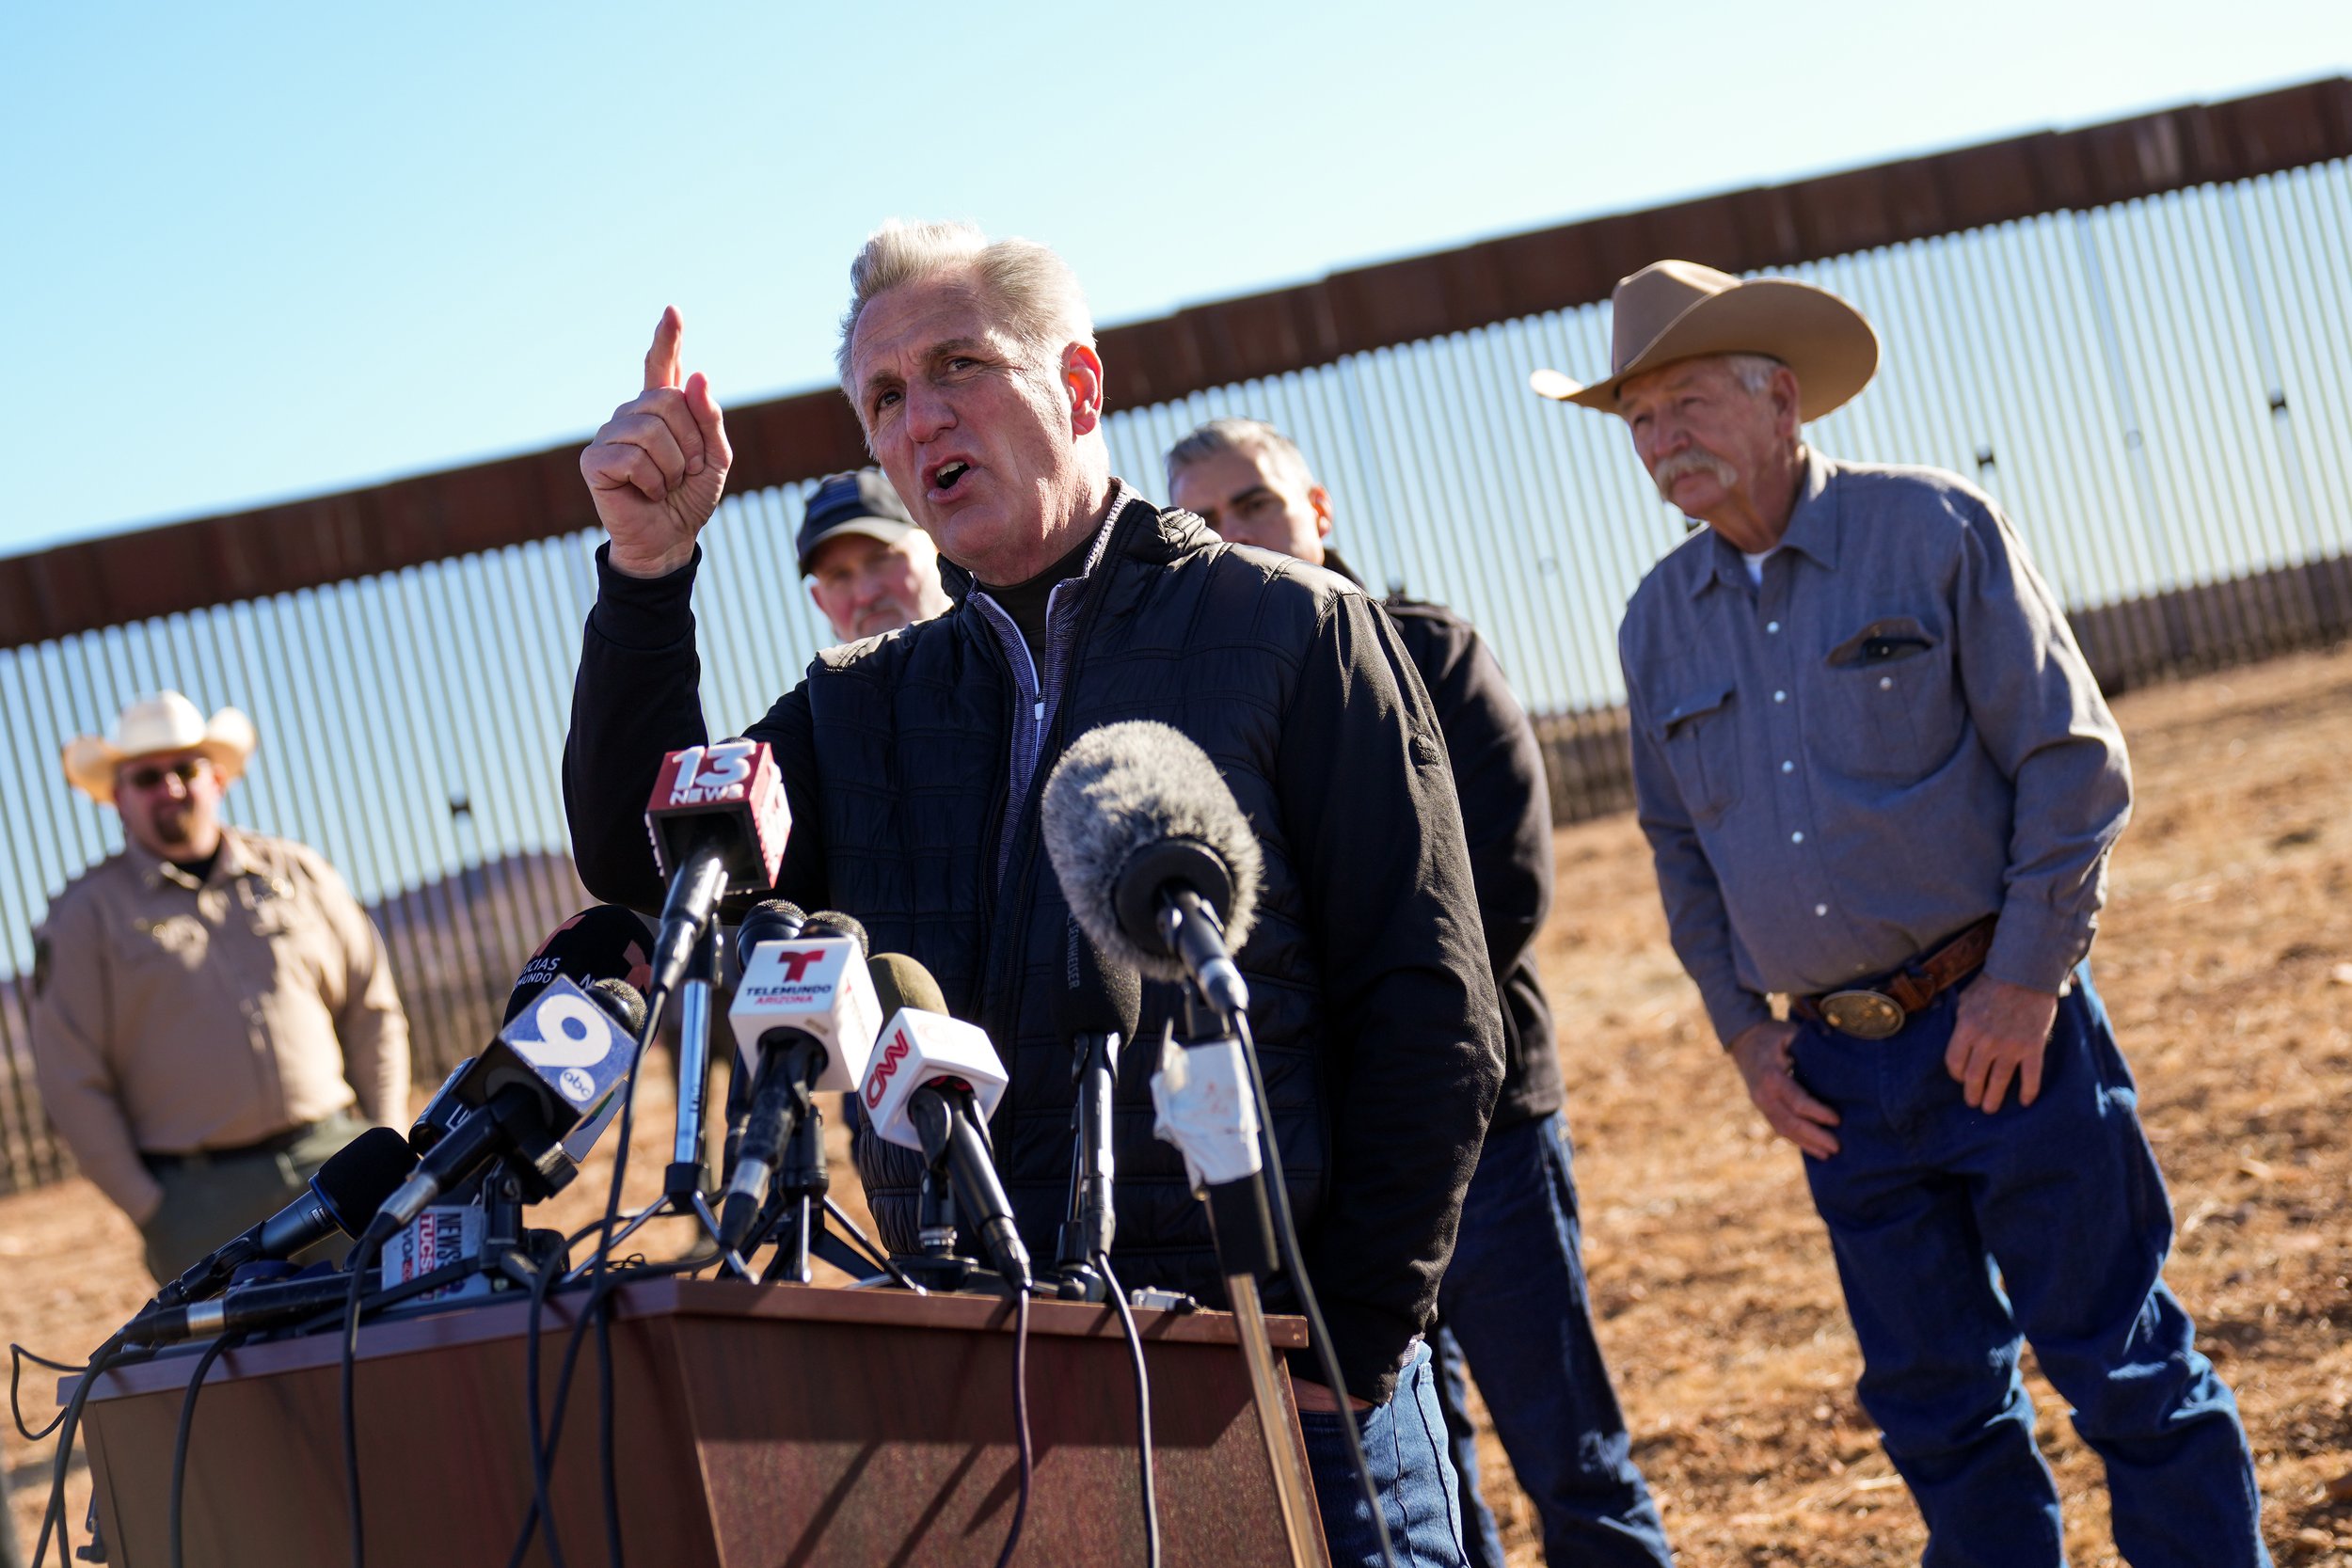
(1927, 1201)
(1405, 1448)
(1514, 1301)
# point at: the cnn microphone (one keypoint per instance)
(719, 821)
(931, 1084)
(549, 1072)
(1155, 858)
(342, 1196)
(804, 1017)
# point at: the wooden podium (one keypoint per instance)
(755, 1426)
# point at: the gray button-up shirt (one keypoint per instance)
(1893, 738)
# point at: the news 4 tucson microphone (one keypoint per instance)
(931, 1084)
(552, 1068)
(342, 1196)
(719, 821)
(804, 1017)
(1156, 859)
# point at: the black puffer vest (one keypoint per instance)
(1172, 625)
(1370, 999)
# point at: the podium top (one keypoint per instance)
(472, 1321)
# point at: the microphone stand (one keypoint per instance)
(802, 1185)
(682, 1194)
(1086, 1234)
(1247, 1255)
(939, 1267)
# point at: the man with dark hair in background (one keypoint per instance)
(1514, 1300)
(913, 764)
(869, 569)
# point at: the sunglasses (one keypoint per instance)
(187, 770)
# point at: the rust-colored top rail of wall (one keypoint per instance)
(303, 543)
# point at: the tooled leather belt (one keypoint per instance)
(1878, 1012)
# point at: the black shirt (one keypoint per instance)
(201, 871)
(1026, 602)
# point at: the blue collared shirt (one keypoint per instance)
(1890, 739)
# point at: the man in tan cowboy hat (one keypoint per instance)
(208, 1004)
(1878, 780)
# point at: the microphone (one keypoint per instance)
(719, 821)
(267, 1304)
(1096, 996)
(931, 1084)
(770, 919)
(601, 940)
(347, 1192)
(1095, 1010)
(1155, 858)
(804, 1016)
(549, 1073)
(440, 1112)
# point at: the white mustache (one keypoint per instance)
(1696, 459)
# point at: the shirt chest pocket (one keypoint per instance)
(265, 904)
(1699, 733)
(1889, 708)
(156, 949)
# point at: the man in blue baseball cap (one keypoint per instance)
(869, 569)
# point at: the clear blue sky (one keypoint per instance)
(253, 252)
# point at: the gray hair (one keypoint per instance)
(1241, 436)
(1754, 372)
(1039, 296)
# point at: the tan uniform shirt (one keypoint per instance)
(172, 1017)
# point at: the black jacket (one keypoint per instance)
(1375, 1015)
(1506, 815)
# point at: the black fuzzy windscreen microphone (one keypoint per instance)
(1132, 809)
(1096, 996)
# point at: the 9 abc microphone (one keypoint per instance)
(545, 1088)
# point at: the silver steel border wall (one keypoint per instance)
(2155, 390)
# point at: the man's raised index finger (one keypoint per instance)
(661, 358)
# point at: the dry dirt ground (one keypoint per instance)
(2226, 960)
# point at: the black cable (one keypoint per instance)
(188, 1423)
(1317, 1336)
(539, 1512)
(53, 1516)
(604, 1441)
(363, 1257)
(543, 1448)
(600, 1261)
(18, 1355)
(1143, 1410)
(1020, 1422)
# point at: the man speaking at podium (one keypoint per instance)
(913, 764)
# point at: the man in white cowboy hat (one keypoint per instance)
(1878, 780)
(208, 1004)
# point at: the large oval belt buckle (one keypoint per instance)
(1868, 1015)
